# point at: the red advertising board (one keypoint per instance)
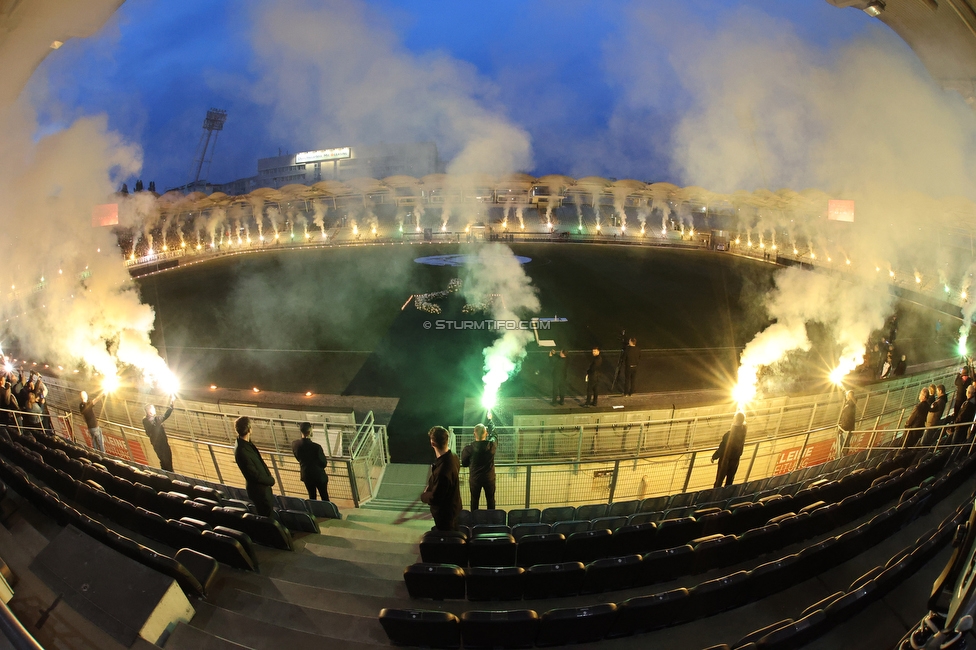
(799, 457)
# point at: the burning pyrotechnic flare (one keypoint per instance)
(110, 383)
(495, 271)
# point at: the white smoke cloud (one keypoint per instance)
(67, 299)
(337, 73)
(495, 276)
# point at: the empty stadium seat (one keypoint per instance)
(646, 613)
(495, 583)
(438, 547)
(589, 545)
(623, 508)
(202, 567)
(610, 574)
(546, 548)
(298, 521)
(608, 523)
(673, 532)
(492, 550)
(551, 580)
(266, 531)
(488, 518)
(322, 509)
(560, 513)
(489, 529)
(666, 564)
(713, 596)
(435, 581)
(592, 511)
(654, 504)
(524, 516)
(521, 530)
(499, 629)
(414, 627)
(289, 503)
(575, 624)
(567, 528)
(632, 539)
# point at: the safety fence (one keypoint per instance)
(540, 466)
(606, 436)
(202, 443)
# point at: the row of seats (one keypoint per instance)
(161, 482)
(193, 581)
(558, 570)
(231, 546)
(524, 628)
(528, 544)
(828, 612)
(204, 509)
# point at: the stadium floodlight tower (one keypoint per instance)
(212, 125)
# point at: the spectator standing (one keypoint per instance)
(916, 420)
(87, 409)
(257, 479)
(31, 419)
(593, 378)
(963, 380)
(480, 457)
(153, 424)
(901, 366)
(631, 361)
(557, 370)
(934, 418)
(443, 492)
(730, 450)
(964, 416)
(845, 425)
(311, 458)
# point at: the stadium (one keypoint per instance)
(383, 301)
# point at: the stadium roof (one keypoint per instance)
(941, 32)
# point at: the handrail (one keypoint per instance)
(14, 630)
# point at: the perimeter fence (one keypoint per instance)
(202, 437)
(652, 454)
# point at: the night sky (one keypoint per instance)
(561, 71)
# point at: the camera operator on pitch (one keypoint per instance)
(480, 457)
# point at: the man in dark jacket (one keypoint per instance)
(964, 416)
(480, 457)
(730, 450)
(593, 378)
(257, 479)
(87, 408)
(846, 423)
(557, 368)
(963, 380)
(311, 458)
(934, 418)
(916, 420)
(153, 424)
(443, 492)
(631, 361)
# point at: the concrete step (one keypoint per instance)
(365, 546)
(301, 617)
(363, 568)
(248, 629)
(371, 531)
(306, 575)
(187, 637)
(308, 595)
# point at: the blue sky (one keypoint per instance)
(559, 71)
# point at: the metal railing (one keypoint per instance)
(663, 431)
(540, 466)
(202, 444)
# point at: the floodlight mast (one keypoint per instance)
(212, 125)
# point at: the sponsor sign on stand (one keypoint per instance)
(814, 454)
